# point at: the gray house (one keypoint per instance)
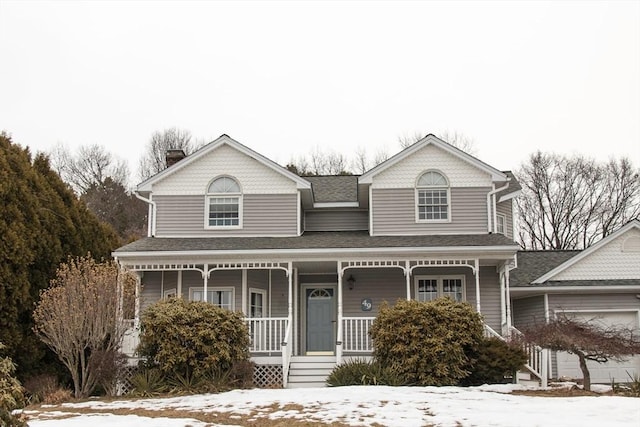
(309, 260)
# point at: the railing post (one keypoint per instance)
(544, 366)
(339, 332)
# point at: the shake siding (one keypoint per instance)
(506, 208)
(263, 215)
(394, 212)
(336, 220)
(527, 311)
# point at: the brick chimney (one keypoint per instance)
(174, 156)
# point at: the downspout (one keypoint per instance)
(489, 206)
(151, 225)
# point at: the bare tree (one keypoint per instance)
(154, 158)
(89, 166)
(77, 317)
(361, 162)
(568, 203)
(455, 138)
(320, 162)
(586, 340)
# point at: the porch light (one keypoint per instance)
(352, 282)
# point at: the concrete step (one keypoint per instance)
(314, 359)
(310, 371)
(314, 365)
(307, 385)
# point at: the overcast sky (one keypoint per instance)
(285, 77)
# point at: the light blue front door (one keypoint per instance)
(320, 320)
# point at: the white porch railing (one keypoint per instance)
(130, 338)
(287, 351)
(267, 334)
(355, 334)
(538, 357)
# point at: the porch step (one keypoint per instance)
(310, 371)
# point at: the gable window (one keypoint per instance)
(432, 198)
(224, 204)
(429, 288)
(501, 220)
(222, 297)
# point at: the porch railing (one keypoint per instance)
(130, 338)
(287, 351)
(267, 334)
(538, 357)
(355, 334)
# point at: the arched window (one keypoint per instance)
(224, 203)
(432, 197)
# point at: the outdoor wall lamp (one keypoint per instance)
(352, 282)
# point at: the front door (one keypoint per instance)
(320, 320)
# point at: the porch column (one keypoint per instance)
(339, 326)
(179, 284)
(407, 275)
(290, 304)
(507, 296)
(477, 272)
(205, 282)
(244, 291)
(503, 314)
(136, 316)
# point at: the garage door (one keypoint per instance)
(568, 365)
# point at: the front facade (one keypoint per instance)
(310, 260)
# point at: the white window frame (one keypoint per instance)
(420, 188)
(170, 293)
(262, 292)
(216, 289)
(503, 218)
(440, 288)
(230, 195)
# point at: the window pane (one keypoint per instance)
(427, 289)
(224, 211)
(433, 204)
(256, 305)
(224, 185)
(452, 288)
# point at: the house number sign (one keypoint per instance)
(366, 304)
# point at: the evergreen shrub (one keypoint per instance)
(427, 343)
(362, 372)
(495, 361)
(187, 341)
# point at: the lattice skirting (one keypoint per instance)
(267, 376)
(124, 385)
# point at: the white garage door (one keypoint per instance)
(568, 365)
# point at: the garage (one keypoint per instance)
(568, 365)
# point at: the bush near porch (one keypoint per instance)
(195, 346)
(440, 342)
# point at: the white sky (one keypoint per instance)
(487, 405)
(285, 77)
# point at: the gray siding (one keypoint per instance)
(527, 311)
(394, 212)
(336, 220)
(490, 297)
(506, 209)
(611, 301)
(263, 214)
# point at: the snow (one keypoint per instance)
(364, 406)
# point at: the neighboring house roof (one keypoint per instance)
(496, 175)
(512, 191)
(533, 264)
(146, 186)
(551, 273)
(335, 188)
(358, 240)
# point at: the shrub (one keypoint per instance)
(191, 338)
(148, 382)
(11, 393)
(362, 372)
(427, 343)
(494, 360)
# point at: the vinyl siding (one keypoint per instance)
(527, 311)
(610, 301)
(336, 220)
(262, 215)
(394, 212)
(506, 208)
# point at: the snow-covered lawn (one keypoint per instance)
(358, 406)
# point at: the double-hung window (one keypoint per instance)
(429, 288)
(501, 221)
(432, 198)
(224, 204)
(222, 297)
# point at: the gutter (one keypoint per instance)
(489, 210)
(151, 225)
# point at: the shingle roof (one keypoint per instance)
(339, 188)
(514, 185)
(533, 264)
(313, 240)
(617, 282)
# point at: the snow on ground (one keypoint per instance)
(363, 406)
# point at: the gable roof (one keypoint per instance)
(593, 248)
(512, 191)
(223, 139)
(496, 175)
(334, 188)
(533, 264)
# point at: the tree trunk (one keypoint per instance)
(586, 376)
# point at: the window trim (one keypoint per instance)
(170, 293)
(211, 196)
(504, 224)
(419, 188)
(439, 279)
(262, 292)
(213, 289)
